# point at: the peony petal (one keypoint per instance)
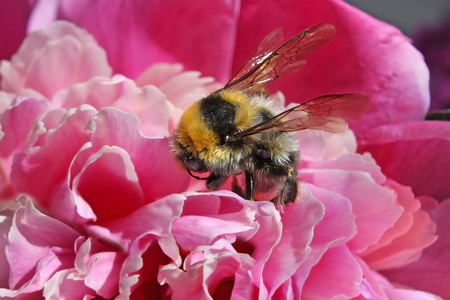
(15, 123)
(13, 24)
(65, 285)
(37, 171)
(141, 41)
(112, 196)
(66, 54)
(158, 173)
(299, 221)
(403, 242)
(372, 204)
(338, 215)
(39, 246)
(97, 92)
(141, 267)
(154, 218)
(152, 109)
(398, 88)
(433, 262)
(338, 266)
(405, 153)
(181, 88)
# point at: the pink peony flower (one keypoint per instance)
(94, 204)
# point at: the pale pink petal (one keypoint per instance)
(299, 221)
(151, 107)
(38, 171)
(222, 273)
(97, 92)
(65, 284)
(181, 88)
(406, 239)
(338, 215)
(66, 55)
(7, 209)
(104, 271)
(374, 206)
(406, 151)
(15, 123)
(202, 228)
(147, 255)
(429, 273)
(5, 101)
(224, 205)
(37, 247)
(154, 218)
(320, 145)
(336, 276)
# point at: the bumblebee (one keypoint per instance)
(236, 130)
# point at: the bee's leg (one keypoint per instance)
(289, 190)
(214, 181)
(249, 186)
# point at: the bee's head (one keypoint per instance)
(200, 140)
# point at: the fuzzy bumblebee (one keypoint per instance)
(236, 130)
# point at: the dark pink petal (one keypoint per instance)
(429, 273)
(413, 154)
(109, 183)
(376, 286)
(397, 87)
(142, 40)
(13, 24)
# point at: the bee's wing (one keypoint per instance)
(271, 60)
(326, 113)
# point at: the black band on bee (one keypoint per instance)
(218, 114)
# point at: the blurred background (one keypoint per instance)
(427, 23)
(408, 15)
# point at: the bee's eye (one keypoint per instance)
(263, 154)
(195, 164)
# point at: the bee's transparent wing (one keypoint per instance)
(271, 60)
(328, 113)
